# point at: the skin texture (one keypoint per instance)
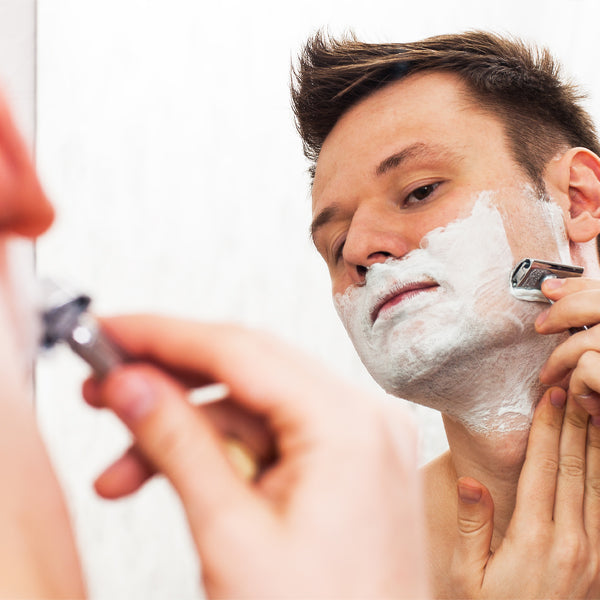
(303, 528)
(511, 515)
(508, 514)
(38, 558)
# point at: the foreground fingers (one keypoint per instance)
(256, 368)
(176, 440)
(342, 461)
(125, 476)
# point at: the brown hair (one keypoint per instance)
(520, 84)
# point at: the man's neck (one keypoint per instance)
(494, 459)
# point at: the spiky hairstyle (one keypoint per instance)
(520, 84)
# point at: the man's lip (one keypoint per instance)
(400, 294)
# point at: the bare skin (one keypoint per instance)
(38, 558)
(303, 528)
(408, 159)
(292, 533)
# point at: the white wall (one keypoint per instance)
(166, 140)
(17, 61)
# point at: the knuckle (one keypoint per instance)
(470, 525)
(170, 442)
(577, 419)
(572, 466)
(572, 553)
(548, 464)
(593, 439)
(592, 487)
(589, 360)
(536, 536)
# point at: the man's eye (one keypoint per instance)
(421, 193)
(338, 251)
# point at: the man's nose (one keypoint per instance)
(24, 208)
(372, 238)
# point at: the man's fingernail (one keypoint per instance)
(553, 283)
(542, 317)
(132, 397)
(468, 494)
(558, 397)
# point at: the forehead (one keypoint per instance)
(434, 109)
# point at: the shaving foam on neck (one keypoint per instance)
(466, 346)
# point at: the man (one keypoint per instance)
(291, 534)
(437, 166)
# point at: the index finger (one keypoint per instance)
(262, 373)
(579, 309)
(537, 482)
(555, 289)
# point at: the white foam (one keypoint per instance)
(468, 348)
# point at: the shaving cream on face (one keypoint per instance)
(466, 346)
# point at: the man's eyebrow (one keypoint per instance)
(416, 150)
(324, 217)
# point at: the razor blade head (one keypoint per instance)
(528, 276)
(61, 310)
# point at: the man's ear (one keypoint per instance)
(576, 175)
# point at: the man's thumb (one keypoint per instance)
(475, 528)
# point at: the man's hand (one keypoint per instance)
(576, 362)
(552, 546)
(336, 510)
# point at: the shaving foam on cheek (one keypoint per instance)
(554, 221)
(465, 347)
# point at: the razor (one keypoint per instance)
(66, 320)
(527, 277)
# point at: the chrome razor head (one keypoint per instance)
(527, 277)
(65, 319)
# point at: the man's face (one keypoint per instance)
(421, 302)
(25, 213)
(410, 158)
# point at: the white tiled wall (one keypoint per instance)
(165, 138)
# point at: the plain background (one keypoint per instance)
(163, 134)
